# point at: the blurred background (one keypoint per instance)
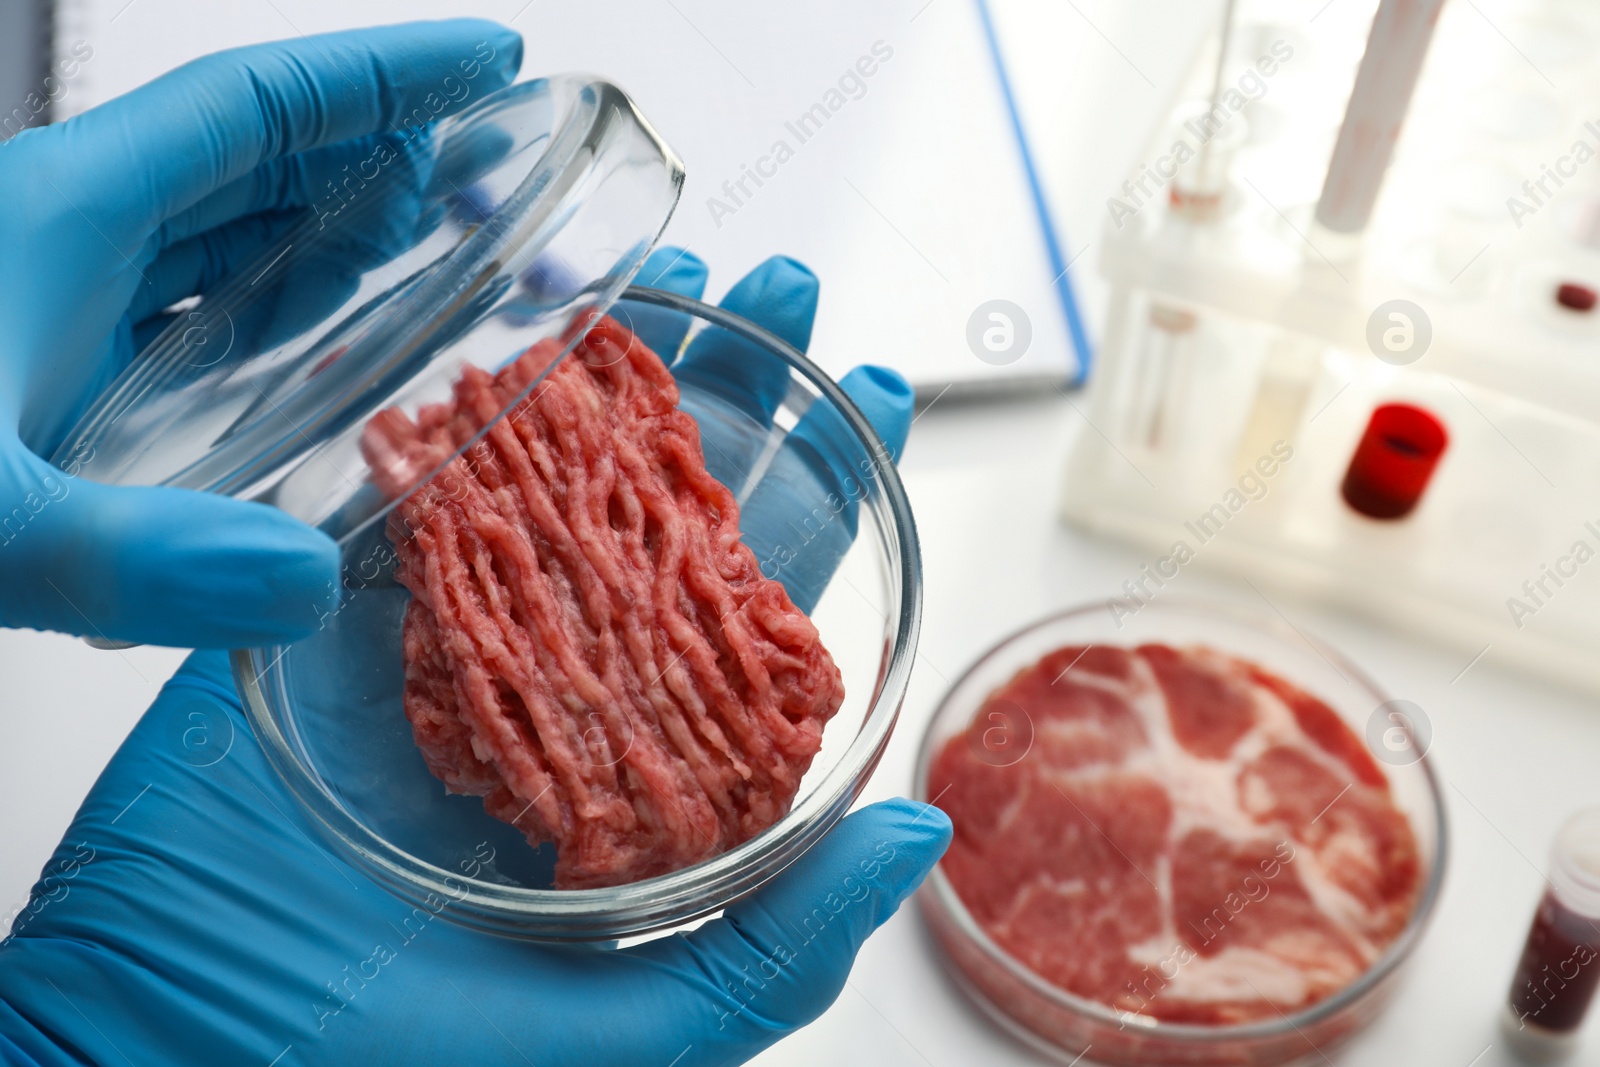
(27, 36)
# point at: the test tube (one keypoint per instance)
(1287, 373)
(1396, 47)
(1160, 382)
(1200, 189)
(1559, 969)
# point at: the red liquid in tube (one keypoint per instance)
(1559, 970)
(1558, 974)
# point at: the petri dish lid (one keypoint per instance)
(454, 245)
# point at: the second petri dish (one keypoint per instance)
(1186, 835)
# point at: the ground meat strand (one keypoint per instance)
(589, 646)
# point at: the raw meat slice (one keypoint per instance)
(1209, 709)
(589, 646)
(1189, 838)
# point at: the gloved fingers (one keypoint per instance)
(196, 914)
(732, 387)
(781, 297)
(197, 263)
(214, 120)
(322, 177)
(277, 292)
(151, 327)
(156, 566)
(467, 156)
(884, 397)
(801, 518)
(774, 961)
(330, 178)
(676, 270)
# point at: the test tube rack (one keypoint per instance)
(1245, 346)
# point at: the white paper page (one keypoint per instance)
(1093, 79)
(910, 201)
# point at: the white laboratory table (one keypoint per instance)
(1515, 755)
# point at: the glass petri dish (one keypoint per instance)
(1064, 1026)
(327, 709)
(457, 244)
(462, 245)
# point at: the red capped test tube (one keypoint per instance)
(1394, 461)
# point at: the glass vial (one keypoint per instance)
(1212, 135)
(1287, 373)
(1161, 378)
(1559, 970)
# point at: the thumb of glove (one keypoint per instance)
(800, 520)
(156, 566)
(776, 960)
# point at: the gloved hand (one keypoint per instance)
(120, 212)
(191, 914)
(799, 517)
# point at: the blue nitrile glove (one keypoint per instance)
(192, 914)
(800, 515)
(116, 214)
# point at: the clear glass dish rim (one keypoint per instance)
(1093, 1011)
(592, 106)
(713, 883)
